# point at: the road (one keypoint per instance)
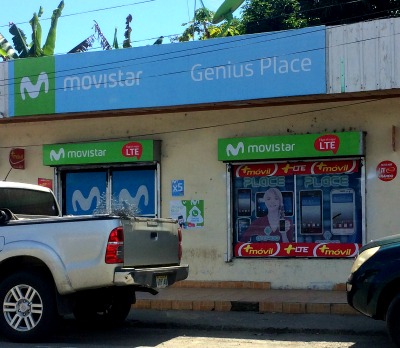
(179, 329)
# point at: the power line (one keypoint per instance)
(285, 115)
(89, 11)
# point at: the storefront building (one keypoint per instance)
(277, 152)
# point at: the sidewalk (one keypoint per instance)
(245, 296)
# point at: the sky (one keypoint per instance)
(151, 19)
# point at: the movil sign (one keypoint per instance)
(290, 146)
(34, 86)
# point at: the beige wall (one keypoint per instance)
(189, 152)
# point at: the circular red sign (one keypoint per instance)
(386, 170)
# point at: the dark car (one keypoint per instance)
(373, 287)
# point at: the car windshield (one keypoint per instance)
(28, 202)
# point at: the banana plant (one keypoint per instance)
(6, 50)
(33, 49)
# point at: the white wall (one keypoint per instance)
(189, 152)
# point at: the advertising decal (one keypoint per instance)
(134, 190)
(244, 67)
(298, 209)
(386, 170)
(189, 213)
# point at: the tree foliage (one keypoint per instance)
(273, 15)
(201, 27)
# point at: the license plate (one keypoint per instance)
(161, 281)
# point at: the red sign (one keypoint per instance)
(132, 150)
(386, 170)
(328, 142)
(298, 168)
(46, 183)
(17, 158)
(318, 250)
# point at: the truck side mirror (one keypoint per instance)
(5, 215)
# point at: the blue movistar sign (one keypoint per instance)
(266, 65)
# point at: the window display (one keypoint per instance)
(298, 208)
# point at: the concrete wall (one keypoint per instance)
(189, 152)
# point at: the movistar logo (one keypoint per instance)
(85, 203)
(34, 89)
(125, 196)
(234, 151)
(55, 156)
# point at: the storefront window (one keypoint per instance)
(293, 209)
(98, 191)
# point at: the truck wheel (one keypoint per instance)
(28, 306)
(393, 320)
(111, 310)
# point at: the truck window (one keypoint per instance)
(28, 202)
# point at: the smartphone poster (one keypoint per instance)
(342, 211)
(311, 212)
(244, 202)
(289, 205)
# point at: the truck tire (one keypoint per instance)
(110, 310)
(29, 309)
(393, 320)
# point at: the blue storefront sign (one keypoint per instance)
(245, 67)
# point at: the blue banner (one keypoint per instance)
(266, 65)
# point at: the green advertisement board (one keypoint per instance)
(34, 87)
(291, 146)
(101, 152)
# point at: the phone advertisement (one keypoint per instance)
(298, 209)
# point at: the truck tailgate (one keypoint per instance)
(150, 242)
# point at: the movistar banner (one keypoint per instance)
(265, 65)
(291, 146)
(101, 152)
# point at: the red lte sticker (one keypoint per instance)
(132, 150)
(329, 142)
(386, 170)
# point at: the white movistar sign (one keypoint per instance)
(234, 151)
(32, 89)
(55, 156)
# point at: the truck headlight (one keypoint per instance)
(364, 256)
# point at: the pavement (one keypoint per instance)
(222, 307)
(246, 296)
(271, 323)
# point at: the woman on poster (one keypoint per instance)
(273, 227)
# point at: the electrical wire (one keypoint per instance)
(224, 125)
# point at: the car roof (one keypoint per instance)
(20, 185)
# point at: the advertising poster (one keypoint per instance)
(298, 209)
(189, 213)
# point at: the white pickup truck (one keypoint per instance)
(88, 266)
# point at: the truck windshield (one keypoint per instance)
(28, 202)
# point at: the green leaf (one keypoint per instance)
(36, 50)
(19, 40)
(48, 48)
(6, 50)
(115, 42)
